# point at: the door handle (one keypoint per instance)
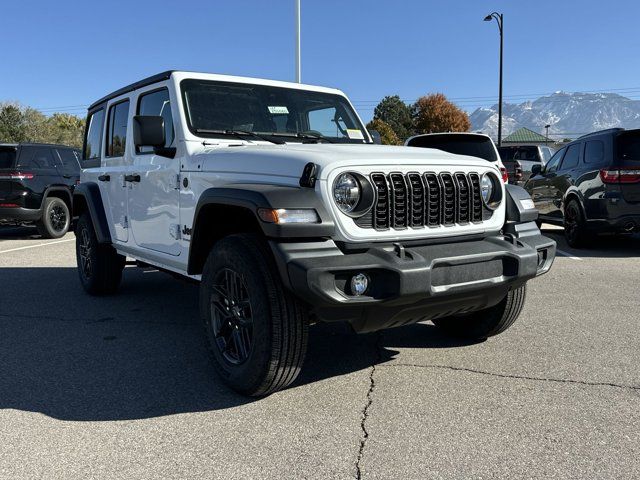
(132, 178)
(104, 178)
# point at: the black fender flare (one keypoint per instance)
(90, 192)
(253, 197)
(59, 188)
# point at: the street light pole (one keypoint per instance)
(499, 17)
(298, 67)
(547, 129)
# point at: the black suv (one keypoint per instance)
(36, 183)
(591, 185)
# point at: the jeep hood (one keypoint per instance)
(288, 160)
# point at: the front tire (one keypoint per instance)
(256, 330)
(55, 219)
(488, 322)
(99, 266)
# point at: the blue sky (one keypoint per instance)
(69, 53)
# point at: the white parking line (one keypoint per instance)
(38, 245)
(565, 254)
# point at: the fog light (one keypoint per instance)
(359, 284)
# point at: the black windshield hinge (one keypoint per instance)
(308, 178)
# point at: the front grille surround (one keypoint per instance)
(419, 200)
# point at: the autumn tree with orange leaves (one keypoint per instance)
(434, 113)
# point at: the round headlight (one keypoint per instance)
(490, 191)
(346, 192)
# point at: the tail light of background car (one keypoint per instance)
(16, 176)
(626, 175)
(505, 175)
(9, 205)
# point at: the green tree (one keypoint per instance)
(395, 113)
(387, 134)
(26, 124)
(434, 113)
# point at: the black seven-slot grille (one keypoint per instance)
(417, 200)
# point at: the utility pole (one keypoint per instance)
(547, 129)
(298, 66)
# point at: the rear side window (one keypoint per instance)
(117, 129)
(36, 157)
(472, 145)
(157, 103)
(7, 157)
(594, 152)
(572, 157)
(628, 148)
(94, 135)
(69, 160)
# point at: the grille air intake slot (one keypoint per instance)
(418, 200)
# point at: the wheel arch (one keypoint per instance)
(225, 211)
(574, 194)
(63, 193)
(87, 199)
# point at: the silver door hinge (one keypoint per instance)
(125, 222)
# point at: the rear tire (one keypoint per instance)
(55, 219)
(256, 330)
(99, 266)
(488, 322)
(575, 227)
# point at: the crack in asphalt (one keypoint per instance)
(518, 377)
(365, 410)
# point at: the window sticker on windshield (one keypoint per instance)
(355, 134)
(276, 110)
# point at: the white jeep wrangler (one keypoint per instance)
(273, 196)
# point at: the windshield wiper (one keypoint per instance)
(239, 134)
(304, 136)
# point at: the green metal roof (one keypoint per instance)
(524, 135)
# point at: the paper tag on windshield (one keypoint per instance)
(355, 134)
(275, 110)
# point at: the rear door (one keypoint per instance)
(627, 159)
(68, 167)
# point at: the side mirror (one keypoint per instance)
(375, 135)
(536, 169)
(148, 131)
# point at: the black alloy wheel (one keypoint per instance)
(231, 316)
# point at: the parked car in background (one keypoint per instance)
(36, 186)
(520, 159)
(461, 143)
(592, 185)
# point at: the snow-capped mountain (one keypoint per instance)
(569, 114)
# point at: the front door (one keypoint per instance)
(154, 194)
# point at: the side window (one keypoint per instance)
(36, 157)
(69, 160)
(553, 163)
(572, 157)
(94, 135)
(594, 152)
(157, 103)
(117, 129)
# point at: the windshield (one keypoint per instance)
(628, 148)
(472, 145)
(7, 157)
(217, 109)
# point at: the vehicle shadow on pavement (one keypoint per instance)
(19, 233)
(141, 353)
(602, 246)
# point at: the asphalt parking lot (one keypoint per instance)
(121, 387)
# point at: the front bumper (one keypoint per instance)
(413, 283)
